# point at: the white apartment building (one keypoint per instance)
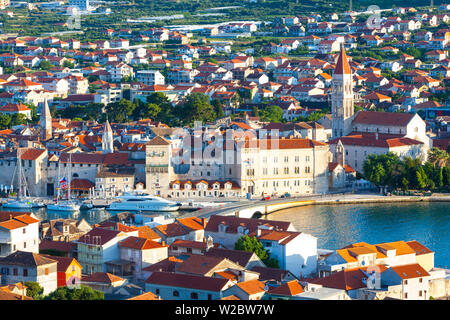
(150, 77)
(99, 246)
(295, 251)
(27, 266)
(18, 231)
(83, 5)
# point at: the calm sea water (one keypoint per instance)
(340, 225)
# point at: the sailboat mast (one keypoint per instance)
(70, 175)
(59, 180)
(19, 192)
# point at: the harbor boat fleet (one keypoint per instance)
(137, 202)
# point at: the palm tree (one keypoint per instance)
(438, 157)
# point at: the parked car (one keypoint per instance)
(286, 195)
(266, 198)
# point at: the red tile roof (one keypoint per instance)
(148, 233)
(60, 246)
(410, 271)
(251, 287)
(81, 184)
(31, 153)
(188, 281)
(139, 243)
(167, 265)
(98, 236)
(188, 244)
(63, 262)
(342, 65)
(290, 288)
(348, 279)
(14, 107)
(369, 139)
(199, 264)
(171, 230)
(102, 277)
(146, 296)
(383, 118)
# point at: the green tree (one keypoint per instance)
(5, 121)
(81, 293)
(405, 184)
(438, 157)
(166, 115)
(255, 112)
(196, 107)
(34, 290)
(45, 65)
(421, 178)
(218, 108)
(68, 64)
(272, 114)
(18, 118)
(120, 111)
(252, 244)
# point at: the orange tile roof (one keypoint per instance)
(192, 223)
(227, 275)
(148, 233)
(102, 277)
(410, 271)
(342, 65)
(418, 247)
(348, 279)
(290, 288)
(139, 243)
(146, 296)
(251, 287)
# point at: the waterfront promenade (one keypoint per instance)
(247, 208)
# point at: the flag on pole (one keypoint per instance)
(63, 183)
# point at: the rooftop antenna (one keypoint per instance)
(351, 5)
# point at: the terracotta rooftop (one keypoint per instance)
(139, 243)
(187, 281)
(290, 288)
(251, 287)
(342, 65)
(102, 277)
(26, 259)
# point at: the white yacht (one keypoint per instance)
(67, 206)
(143, 202)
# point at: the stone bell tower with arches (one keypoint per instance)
(342, 104)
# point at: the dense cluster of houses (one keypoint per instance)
(195, 259)
(377, 106)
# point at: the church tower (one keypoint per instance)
(45, 122)
(107, 139)
(342, 97)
